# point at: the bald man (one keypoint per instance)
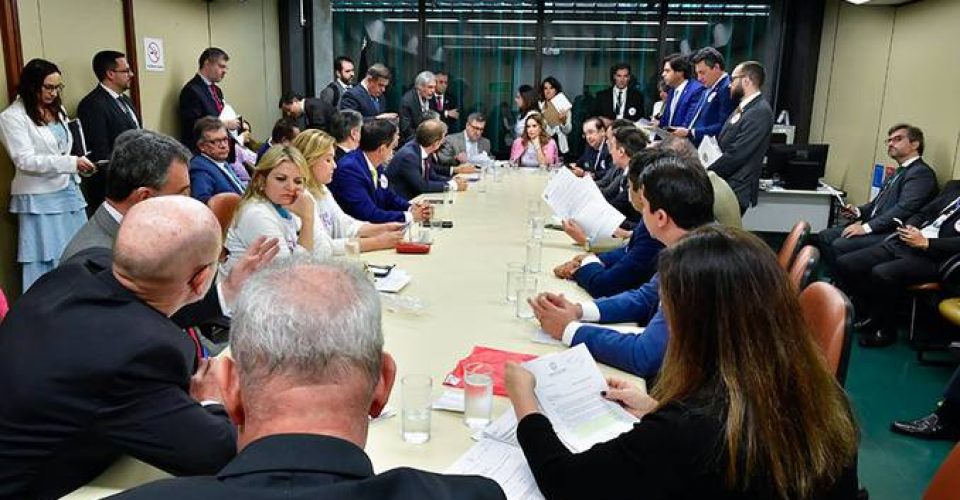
(92, 367)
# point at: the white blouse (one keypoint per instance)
(260, 218)
(332, 227)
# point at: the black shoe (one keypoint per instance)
(877, 338)
(929, 427)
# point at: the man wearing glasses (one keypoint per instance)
(209, 172)
(105, 113)
(459, 150)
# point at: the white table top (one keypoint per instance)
(462, 282)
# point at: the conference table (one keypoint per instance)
(460, 288)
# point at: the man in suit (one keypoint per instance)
(343, 72)
(596, 156)
(411, 171)
(445, 103)
(415, 104)
(209, 172)
(329, 342)
(684, 95)
(345, 129)
(878, 276)
(93, 368)
(201, 96)
(620, 101)
(746, 135)
(106, 112)
(311, 112)
(715, 103)
(368, 98)
(674, 195)
(144, 164)
(909, 189)
(454, 156)
(360, 185)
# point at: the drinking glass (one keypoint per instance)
(415, 426)
(526, 289)
(478, 395)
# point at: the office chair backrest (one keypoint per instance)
(946, 482)
(829, 315)
(790, 245)
(803, 266)
(223, 206)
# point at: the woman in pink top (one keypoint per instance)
(534, 147)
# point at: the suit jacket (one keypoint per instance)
(455, 144)
(712, 110)
(42, 165)
(358, 99)
(450, 102)
(597, 161)
(622, 269)
(302, 466)
(196, 101)
(331, 95)
(103, 120)
(901, 197)
(90, 372)
(411, 114)
(317, 113)
(365, 195)
(632, 108)
(208, 179)
(744, 145)
(686, 105)
(948, 243)
(100, 231)
(407, 176)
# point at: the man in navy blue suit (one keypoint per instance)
(360, 185)
(209, 172)
(367, 98)
(412, 170)
(201, 96)
(684, 92)
(675, 196)
(715, 104)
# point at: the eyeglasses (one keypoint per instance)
(128, 70)
(217, 140)
(54, 88)
(478, 128)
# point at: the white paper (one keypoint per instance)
(504, 428)
(503, 463)
(450, 400)
(542, 337)
(568, 389)
(709, 151)
(653, 130)
(393, 282)
(579, 198)
(561, 103)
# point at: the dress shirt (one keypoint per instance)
(677, 92)
(622, 101)
(227, 171)
(425, 169)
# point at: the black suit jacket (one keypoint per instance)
(103, 120)
(408, 177)
(315, 467)
(411, 114)
(901, 198)
(744, 144)
(450, 102)
(89, 372)
(948, 244)
(195, 103)
(317, 113)
(359, 100)
(632, 109)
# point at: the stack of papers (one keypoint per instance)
(392, 282)
(709, 151)
(579, 199)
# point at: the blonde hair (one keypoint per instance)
(314, 144)
(269, 161)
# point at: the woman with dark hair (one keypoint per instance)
(534, 147)
(558, 122)
(45, 191)
(744, 406)
(526, 100)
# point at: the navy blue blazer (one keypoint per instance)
(622, 269)
(196, 101)
(589, 162)
(359, 100)
(686, 106)
(714, 108)
(354, 189)
(407, 176)
(207, 179)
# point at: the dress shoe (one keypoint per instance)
(877, 338)
(929, 427)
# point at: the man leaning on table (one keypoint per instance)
(674, 196)
(302, 383)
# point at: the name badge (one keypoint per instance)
(383, 182)
(632, 111)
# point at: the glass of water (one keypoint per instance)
(515, 270)
(526, 289)
(534, 251)
(417, 391)
(478, 395)
(536, 227)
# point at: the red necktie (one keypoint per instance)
(440, 103)
(216, 97)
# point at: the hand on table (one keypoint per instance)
(520, 384)
(421, 211)
(554, 312)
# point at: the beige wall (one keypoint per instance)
(879, 66)
(69, 32)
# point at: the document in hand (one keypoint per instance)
(579, 199)
(653, 131)
(709, 151)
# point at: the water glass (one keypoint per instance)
(515, 270)
(536, 227)
(481, 180)
(526, 289)
(415, 426)
(478, 395)
(534, 255)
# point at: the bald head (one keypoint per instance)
(166, 240)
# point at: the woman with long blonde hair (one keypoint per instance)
(744, 406)
(333, 228)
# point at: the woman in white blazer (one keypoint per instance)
(45, 192)
(550, 88)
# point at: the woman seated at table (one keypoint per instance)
(744, 406)
(333, 228)
(534, 147)
(276, 205)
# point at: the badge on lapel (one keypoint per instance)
(632, 111)
(383, 181)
